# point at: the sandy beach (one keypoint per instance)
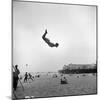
(48, 86)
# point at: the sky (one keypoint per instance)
(72, 26)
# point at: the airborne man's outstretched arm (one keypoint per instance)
(44, 35)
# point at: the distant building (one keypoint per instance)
(79, 66)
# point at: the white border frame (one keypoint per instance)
(5, 49)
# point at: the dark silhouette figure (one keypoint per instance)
(48, 41)
(15, 77)
(26, 77)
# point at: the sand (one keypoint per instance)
(47, 86)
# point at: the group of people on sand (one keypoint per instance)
(28, 76)
(16, 73)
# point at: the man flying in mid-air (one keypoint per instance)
(48, 41)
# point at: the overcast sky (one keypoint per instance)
(72, 26)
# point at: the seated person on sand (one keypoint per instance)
(48, 41)
(64, 80)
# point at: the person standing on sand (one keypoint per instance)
(26, 77)
(15, 77)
